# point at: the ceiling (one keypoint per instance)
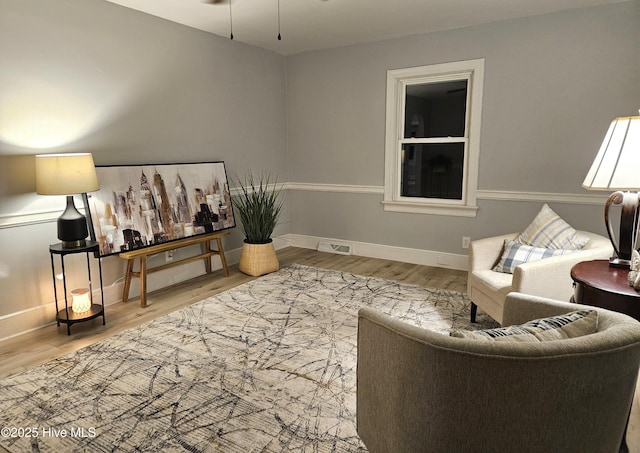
(320, 24)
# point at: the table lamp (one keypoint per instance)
(67, 174)
(617, 167)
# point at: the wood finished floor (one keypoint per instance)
(31, 349)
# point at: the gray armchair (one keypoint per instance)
(420, 391)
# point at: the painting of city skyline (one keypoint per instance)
(143, 205)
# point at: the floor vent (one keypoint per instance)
(331, 247)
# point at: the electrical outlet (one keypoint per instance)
(168, 255)
(465, 242)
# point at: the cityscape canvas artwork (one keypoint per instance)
(142, 205)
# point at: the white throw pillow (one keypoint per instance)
(514, 254)
(550, 231)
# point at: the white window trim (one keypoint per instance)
(397, 79)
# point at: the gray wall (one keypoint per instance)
(553, 83)
(88, 75)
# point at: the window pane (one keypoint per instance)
(435, 109)
(432, 170)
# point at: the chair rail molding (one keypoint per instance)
(24, 219)
(340, 188)
(570, 198)
(493, 195)
(20, 219)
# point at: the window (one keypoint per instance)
(432, 138)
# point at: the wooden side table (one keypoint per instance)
(598, 284)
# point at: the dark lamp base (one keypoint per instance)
(72, 226)
(624, 247)
(73, 244)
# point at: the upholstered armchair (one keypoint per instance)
(549, 277)
(420, 391)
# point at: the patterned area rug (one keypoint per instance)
(268, 366)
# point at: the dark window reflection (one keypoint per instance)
(432, 170)
(435, 109)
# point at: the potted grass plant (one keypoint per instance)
(258, 204)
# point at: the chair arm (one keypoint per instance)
(485, 253)
(551, 277)
(520, 308)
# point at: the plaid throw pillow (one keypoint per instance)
(570, 325)
(515, 254)
(549, 231)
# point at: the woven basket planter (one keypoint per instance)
(258, 259)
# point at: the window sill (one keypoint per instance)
(423, 208)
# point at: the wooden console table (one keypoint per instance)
(143, 253)
(598, 284)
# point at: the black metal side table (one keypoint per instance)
(67, 315)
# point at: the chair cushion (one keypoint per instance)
(569, 325)
(492, 282)
(515, 253)
(550, 231)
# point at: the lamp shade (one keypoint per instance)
(617, 164)
(65, 174)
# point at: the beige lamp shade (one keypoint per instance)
(617, 164)
(65, 174)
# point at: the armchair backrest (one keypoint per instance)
(421, 391)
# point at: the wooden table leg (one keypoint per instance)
(223, 260)
(207, 259)
(143, 281)
(127, 280)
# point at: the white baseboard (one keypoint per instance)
(387, 252)
(25, 321)
(15, 324)
(18, 323)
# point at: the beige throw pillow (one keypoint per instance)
(550, 231)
